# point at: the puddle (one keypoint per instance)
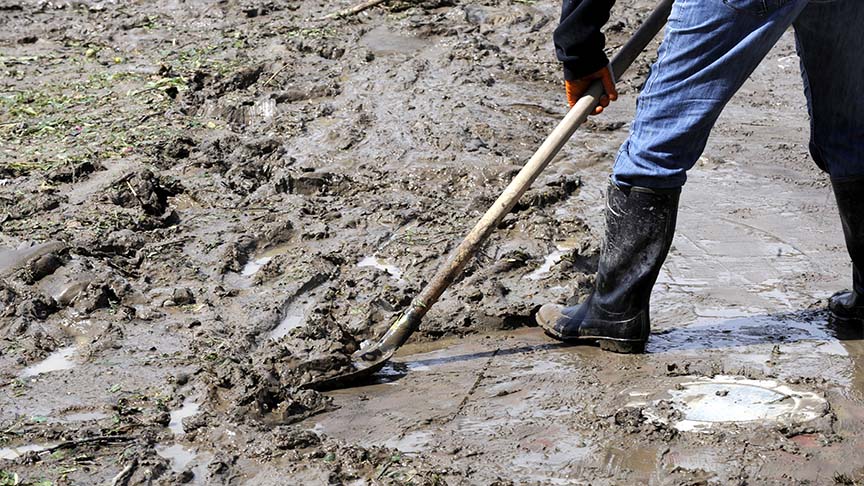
(11, 453)
(179, 456)
(295, 316)
(255, 264)
(188, 409)
(706, 403)
(56, 361)
(252, 267)
(741, 332)
(640, 460)
(394, 370)
(83, 330)
(391, 270)
(549, 261)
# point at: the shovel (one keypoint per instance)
(372, 358)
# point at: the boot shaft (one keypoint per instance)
(849, 193)
(640, 225)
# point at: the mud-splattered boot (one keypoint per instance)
(640, 224)
(849, 304)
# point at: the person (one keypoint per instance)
(709, 49)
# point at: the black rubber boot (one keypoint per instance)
(849, 304)
(640, 223)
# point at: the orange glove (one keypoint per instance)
(576, 89)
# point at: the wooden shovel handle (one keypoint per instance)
(452, 268)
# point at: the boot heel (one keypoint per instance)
(623, 347)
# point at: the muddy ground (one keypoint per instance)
(204, 205)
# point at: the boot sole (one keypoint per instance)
(622, 347)
(606, 344)
(845, 318)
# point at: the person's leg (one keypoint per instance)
(710, 48)
(830, 35)
(849, 192)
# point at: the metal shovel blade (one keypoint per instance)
(364, 363)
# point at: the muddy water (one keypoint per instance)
(56, 361)
(189, 409)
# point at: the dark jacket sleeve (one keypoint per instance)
(578, 40)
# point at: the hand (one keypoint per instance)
(576, 89)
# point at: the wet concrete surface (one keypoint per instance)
(550, 414)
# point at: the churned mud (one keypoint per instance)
(205, 205)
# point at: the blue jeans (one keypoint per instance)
(711, 47)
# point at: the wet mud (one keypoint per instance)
(205, 205)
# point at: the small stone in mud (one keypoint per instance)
(630, 417)
(295, 439)
(39, 307)
(93, 297)
(183, 296)
(163, 419)
(123, 242)
(673, 369)
(474, 145)
(72, 171)
(41, 267)
(722, 393)
(143, 189)
(180, 147)
(511, 260)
